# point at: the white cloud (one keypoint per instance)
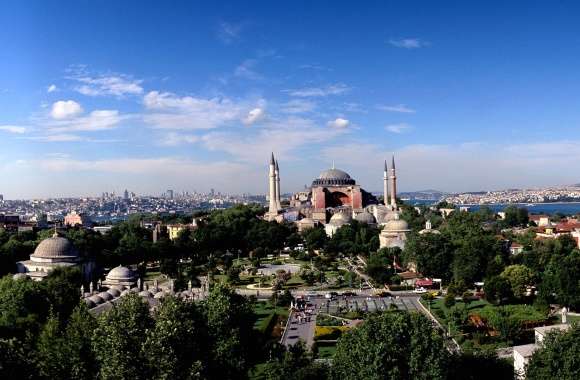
(247, 70)
(254, 116)
(398, 128)
(296, 106)
(229, 32)
(65, 137)
(408, 43)
(174, 139)
(333, 89)
(13, 129)
(170, 111)
(401, 108)
(339, 123)
(97, 120)
(51, 88)
(285, 137)
(117, 85)
(65, 109)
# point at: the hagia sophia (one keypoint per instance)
(335, 199)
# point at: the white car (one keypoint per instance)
(420, 290)
(328, 296)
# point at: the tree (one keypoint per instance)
(557, 357)
(117, 343)
(515, 216)
(391, 345)
(51, 352)
(433, 254)
(23, 306)
(501, 320)
(497, 289)
(519, 277)
(315, 238)
(15, 361)
(294, 363)
(229, 322)
(562, 278)
(63, 290)
(80, 358)
(174, 347)
(479, 366)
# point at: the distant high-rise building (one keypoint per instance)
(212, 192)
(126, 195)
(170, 194)
(1, 197)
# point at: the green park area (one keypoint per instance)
(481, 325)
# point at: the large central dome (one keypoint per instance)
(334, 177)
(54, 248)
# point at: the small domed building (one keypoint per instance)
(394, 233)
(121, 277)
(55, 252)
(337, 220)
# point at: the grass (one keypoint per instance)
(326, 351)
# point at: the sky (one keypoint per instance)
(187, 95)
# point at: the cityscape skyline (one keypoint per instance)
(202, 100)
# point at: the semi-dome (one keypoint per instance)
(334, 177)
(365, 217)
(55, 247)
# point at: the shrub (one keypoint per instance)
(449, 300)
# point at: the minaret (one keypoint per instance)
(273, 209)
(393, 184)
(386, 184)
(278, 202)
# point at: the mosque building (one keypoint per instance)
(335, 199)
(51, 253)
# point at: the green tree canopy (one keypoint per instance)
(391, 345)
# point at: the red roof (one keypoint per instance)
(424, 282)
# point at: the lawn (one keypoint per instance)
(326, 351)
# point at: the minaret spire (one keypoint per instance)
(278, 201)
(386, 184)
(273, 208)
(393, 184)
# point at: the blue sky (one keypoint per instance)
(147, 95)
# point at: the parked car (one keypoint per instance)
(420, 290)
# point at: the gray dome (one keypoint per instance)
(90, 304)
(340, 218)
(96, 299)
(121, 274)
(145, 293)
(365, 217)
(55, 247)
(334, 174)
(114, 292)
(397, 225)
(334, 177)
(106, 296)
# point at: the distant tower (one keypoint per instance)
(273, 206)
(126, 195)
(386, 184)
(278, 202)
(393, 184)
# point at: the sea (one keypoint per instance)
(566, 208)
